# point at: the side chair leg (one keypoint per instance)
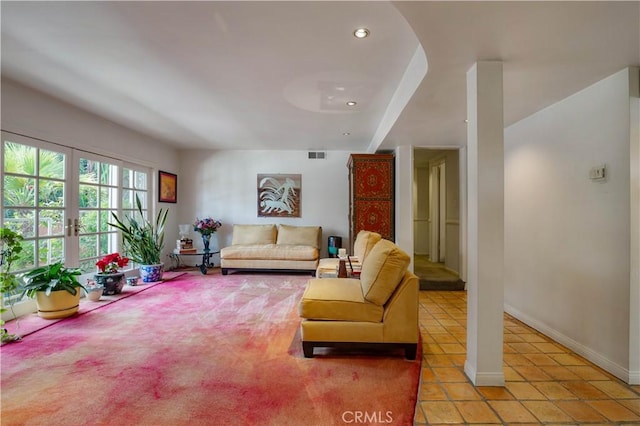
(307, 348)
(410, 351)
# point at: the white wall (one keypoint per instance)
(223, 184)
(38, 115)
(34, 114)
(567, 237)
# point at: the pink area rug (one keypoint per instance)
(199, 350)
(28, 324)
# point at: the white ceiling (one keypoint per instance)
(276, 75)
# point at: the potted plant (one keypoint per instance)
(143, 241)
(10, 248)
(109, 275)
(56, 289)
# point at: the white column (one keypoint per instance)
(485, 233)
(403, 198)
(634, 260)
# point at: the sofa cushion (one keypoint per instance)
(299, 235)
(254, 234)
(269, 252)
(337, 299)
(382, 270)
(365, 241)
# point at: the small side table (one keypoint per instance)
(176, 258)
(329, 268)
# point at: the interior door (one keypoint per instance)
(442, 212)
(437, 212)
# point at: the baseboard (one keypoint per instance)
(634, 377)
(483, 379)
(577, 347)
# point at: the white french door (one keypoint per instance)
(35, 194)
(61, 201)
(105, 187)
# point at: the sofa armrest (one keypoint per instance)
(400, 317)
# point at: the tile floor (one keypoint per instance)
(546, 383)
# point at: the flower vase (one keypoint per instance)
(206, 239)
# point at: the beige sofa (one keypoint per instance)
(379, 309)
(270, 247)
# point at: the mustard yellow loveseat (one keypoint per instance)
(269, 247)
(379, 309)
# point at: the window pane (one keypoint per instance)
(108, 243)
(51, 223)
(19, 158)
(108, 174)
(105, 219)
(50, 250)
(88, 171)
(141, 180)
(127, 178)
(127, 199)
(51, 164)
(88, 197)
(143, 199)
(108, 197)
(27, 258)
(88, 246)
(19, 192)
(88, 221)
(88, 265)
(21, 221)
(51, 193)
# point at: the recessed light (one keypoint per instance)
(361, 33)
(346, 134)
(352, 103)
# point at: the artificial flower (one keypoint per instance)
(206, 226)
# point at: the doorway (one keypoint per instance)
(436, 204)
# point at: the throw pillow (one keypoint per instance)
(299, 235)
(253, 234)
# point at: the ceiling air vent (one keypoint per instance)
(317, 155)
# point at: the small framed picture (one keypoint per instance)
(167, 187)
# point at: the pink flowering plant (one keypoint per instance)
(206, 226)
(111, 263)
